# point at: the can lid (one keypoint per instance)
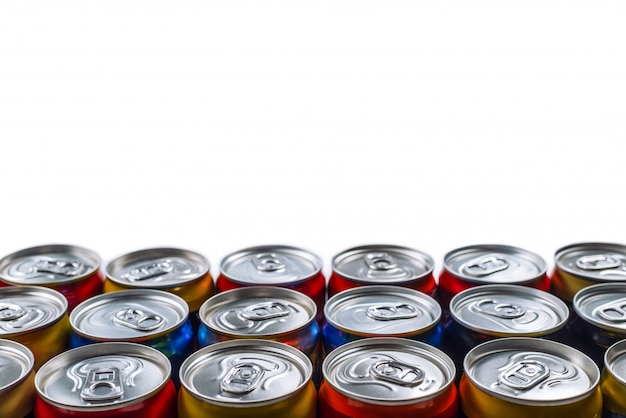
(597, 261)
(129, 315)
(615, 361)
(245, 373)
(531, 371)
(258, 311)
(270, 265)
(26, 309)
(388, 371)
(48, 265)
(383, 264)
(16, 362)
(378, 310)
(157, 268)
(603, 305)
(103, 376)
(509, 310)
(494, 264)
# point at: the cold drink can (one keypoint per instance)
(17, 376)
(106, 380)
(247, 378)
(380, 311)
(529, 378)
(73, 271)
(379, 264)
(613, 381)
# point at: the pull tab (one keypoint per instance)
(380, 261)
(138, 319)
(11, 312)
(265, 310)
(242, 378)
(149, 271)
(524, 374)
(613, 311)
(485, 266)
(392, 312)
(597, 262)
(398, 373)
(499, 310)
(103, 384)
(64, 268)
(268, 262)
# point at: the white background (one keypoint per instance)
(217, 125)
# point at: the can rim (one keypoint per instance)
(55, 294)
(508, 289)
(579, 246)
(47, 249)
(435, 353)
(408, 251)
(216, 301)
(134, 256)
(545, 346)
(589, 291)
(26, 354)
(274, 346)
(381, 290)
(610, 355)
(105, 349)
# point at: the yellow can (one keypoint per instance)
(17, 379)
(613, 380)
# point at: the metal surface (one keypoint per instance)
(16, 364)
(603, 306)
(601, 262)
(28, 308)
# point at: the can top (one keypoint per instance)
(597, 261)
(157, 268)
(26, 309)
(603, 305)
(245, 373)
(531, 371)
(494, 264)
(615, 361)
(270, 265)
(378, 310)
(509, 310)
(129, 315)
(258, 311)
(17, 363)
(48, 265)
(103, 376)
(388, 371)
(383, 264)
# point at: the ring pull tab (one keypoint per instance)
(149, 271)
(138, 319)
(392, 312)
(11, 312)
(484, 266)
(398, 373)
(62, 267)
(499, 310)
(613, 311)
(597, 262)
(103, 384)
(524, 374)
(268, 262)
(380, 261)
(265, 310)
(242, 378)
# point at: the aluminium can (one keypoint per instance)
(275, 265)
(613, 381)
(17, 380)
(388, 377)
(380, 311)
(381, 264)
(478, 265)
(580, 265)
(247, 378)
(529, 378)
(73, 271)
(106, 380)
(37, 318)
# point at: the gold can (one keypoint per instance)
(17, 379)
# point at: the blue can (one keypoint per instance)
(381, 311)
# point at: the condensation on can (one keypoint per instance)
(17, 376)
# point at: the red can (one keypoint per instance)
(382, 265)
(71, 270)
(275, 265)
(106, 380)
(478, 265)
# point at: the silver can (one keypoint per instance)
(17, 375)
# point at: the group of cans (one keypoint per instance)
(152, 333)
